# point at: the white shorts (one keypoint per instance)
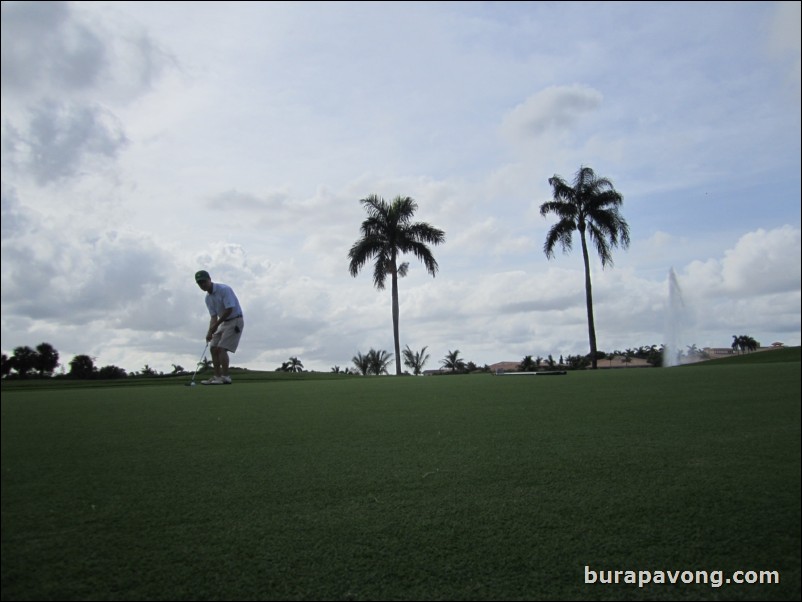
(228, 334)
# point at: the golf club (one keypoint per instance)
(200, 363)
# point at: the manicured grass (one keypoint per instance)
(437, 488)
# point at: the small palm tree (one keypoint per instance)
(388, 233)
(415, 360)
(362, 363)
(373, 362)
(378, 361)
(527, 364)
(453, 362)
(591, 207)
(628, 355)
(744, 343)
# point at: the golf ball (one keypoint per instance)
(192, 384)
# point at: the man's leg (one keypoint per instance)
(223, 361)
(216, 361)
(229, 339)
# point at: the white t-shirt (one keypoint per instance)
(220, 299)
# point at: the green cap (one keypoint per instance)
(202, 275)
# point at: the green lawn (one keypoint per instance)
(437, 488)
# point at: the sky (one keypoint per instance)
(143, 141)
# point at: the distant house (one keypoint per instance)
(715, 352)
(501, 367)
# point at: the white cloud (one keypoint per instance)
(555, 108)
(58, 50)
(59, 141)
(765, 261)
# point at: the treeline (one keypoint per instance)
(42, 362)
(652, 354)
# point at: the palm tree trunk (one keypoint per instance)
(395, 322)
(589, 300)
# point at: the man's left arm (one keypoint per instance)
(215, 322)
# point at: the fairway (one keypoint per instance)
(400, 488)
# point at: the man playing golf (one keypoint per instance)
(225, 326)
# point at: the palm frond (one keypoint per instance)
(424, 233)
(381, 267)
(562, 192)
(562, 233)
(362, 251)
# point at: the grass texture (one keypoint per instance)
(401, 488)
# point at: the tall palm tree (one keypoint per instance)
(388, 233)
(591, 207)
